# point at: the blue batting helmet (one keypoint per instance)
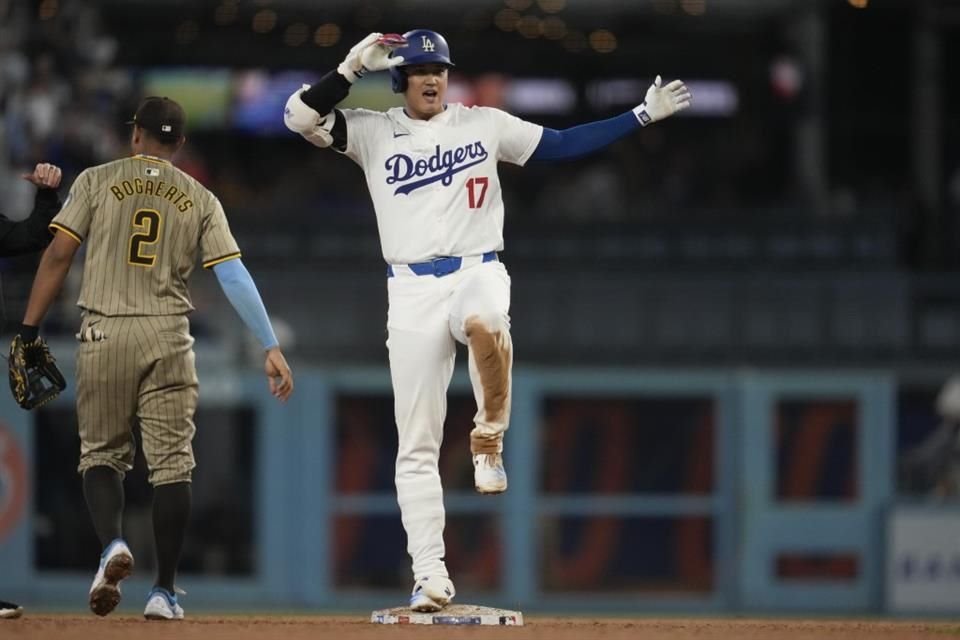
(423, 47)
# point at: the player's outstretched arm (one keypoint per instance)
(238, 286)
(310, 109)
(661, 102)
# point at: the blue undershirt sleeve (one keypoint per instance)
(583, 139)
(242, 293)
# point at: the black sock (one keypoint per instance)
(171, 511)
(103, 491)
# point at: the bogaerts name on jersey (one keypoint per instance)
(156, 188)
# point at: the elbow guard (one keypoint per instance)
(306, 121)
(298, 116)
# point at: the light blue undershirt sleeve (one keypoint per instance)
(242, 293)
(583, 139)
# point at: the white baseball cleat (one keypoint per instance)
(489, 475)
(116, 564)
(432, 594)
(162, 605)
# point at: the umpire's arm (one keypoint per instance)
(30, 235)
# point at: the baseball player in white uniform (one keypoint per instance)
(431, 168)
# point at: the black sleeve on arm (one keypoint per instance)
(339, 132)
(46, 205)
(326, 93)
(31, 234)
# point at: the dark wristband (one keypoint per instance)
(46, 195)
(29, 333)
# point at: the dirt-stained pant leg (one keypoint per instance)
(481, 319)
(108, 377)
(422, 354)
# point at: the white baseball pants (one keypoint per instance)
(427, 316)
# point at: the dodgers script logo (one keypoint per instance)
(442, 166)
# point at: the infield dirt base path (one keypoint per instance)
(210, 627)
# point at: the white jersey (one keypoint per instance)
(434, 182)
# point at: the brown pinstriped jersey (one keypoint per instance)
(144, 223)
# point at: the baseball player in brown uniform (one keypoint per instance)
(144, 224)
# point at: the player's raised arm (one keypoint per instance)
(310, 109)
(238, 286)
(660, 102)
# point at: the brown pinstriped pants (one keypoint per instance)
(142, 371)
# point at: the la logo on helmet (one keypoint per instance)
(428, 45)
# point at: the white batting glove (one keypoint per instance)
(662, 102)
(370, 54)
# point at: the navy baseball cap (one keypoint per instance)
(162, 117)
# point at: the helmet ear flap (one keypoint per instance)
(398, 79)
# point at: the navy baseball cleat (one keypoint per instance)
(9, 610)
(116, 564)
(432, 593)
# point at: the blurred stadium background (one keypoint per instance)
(735, 331)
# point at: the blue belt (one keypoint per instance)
(439, 267)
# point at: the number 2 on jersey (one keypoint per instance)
(473, 186)
(146, 231)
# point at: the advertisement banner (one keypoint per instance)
(923, 560)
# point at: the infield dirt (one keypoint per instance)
(211, 627)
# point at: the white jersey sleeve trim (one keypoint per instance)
(513, 132)
(534, 143)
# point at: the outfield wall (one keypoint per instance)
(630, 490)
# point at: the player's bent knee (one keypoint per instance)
(489, 323)
(488, 337)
